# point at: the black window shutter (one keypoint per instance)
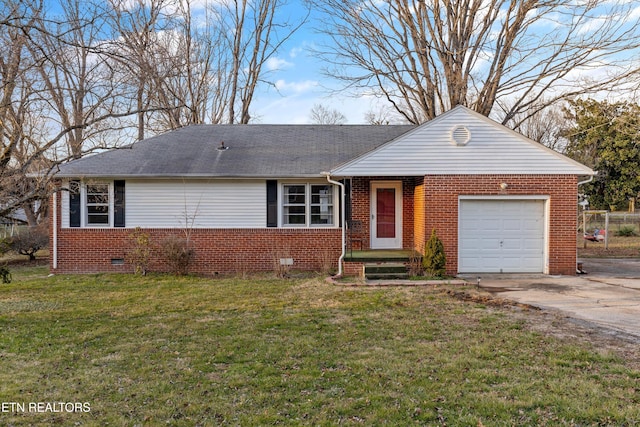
(118, 203)
(74, 204)
(347, 200)
(272, 203)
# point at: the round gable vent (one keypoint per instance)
(460, 135)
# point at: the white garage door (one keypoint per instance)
(501, 236)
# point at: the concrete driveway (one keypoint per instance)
(608, 296)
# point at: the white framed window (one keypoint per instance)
(308, 205)
(98, 204)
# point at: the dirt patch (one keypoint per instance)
(558, 325)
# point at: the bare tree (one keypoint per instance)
(78, 84)
(18, 154)
(383, 115)
(134, 47)
(257, 30)
(188, 73)
(195, 85)
(498, 57)
(322, 115)
(57, 95)
(546, 126)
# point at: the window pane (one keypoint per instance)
(294, 207)
(97, 204)
(294, 194)
(97, 210)
(321, 217)
(322, 205)
(98, 219)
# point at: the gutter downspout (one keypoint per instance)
(586, 181)
(342, 214)
(55, 231)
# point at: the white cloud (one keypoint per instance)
(296, 88)
(294, 52)
(275, 63)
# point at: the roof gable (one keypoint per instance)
(461, 141)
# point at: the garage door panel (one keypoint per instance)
(501, 236)
(489, 225)
(512, 244)
(533, 245)
(515, 225)
(531, 224)
(490, 244)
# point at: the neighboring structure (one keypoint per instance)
(252, 196)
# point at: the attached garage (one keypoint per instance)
(502, 235)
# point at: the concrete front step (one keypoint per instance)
(385, 270)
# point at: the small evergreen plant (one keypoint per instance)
(434, 260)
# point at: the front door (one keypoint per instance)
(386, 215)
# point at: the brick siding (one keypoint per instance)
(432, 202)
(91, 250)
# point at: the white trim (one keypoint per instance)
(395, 243)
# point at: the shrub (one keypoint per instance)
(626, 231)
(178, 254)
(5, 245)
(434, 259)
(140, 253)
(5, 274)
(30, 240)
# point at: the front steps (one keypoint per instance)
(379, 264)
(385, 270)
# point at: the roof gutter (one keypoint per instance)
(342, 215)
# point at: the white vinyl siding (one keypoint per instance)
(197, 203)
(431, 149)
(501, 236)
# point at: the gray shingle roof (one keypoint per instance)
(252, 151)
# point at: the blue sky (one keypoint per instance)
(300, 83)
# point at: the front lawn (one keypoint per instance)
(191, 351)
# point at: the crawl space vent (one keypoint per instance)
(460, 135)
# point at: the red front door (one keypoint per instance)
(386, 215)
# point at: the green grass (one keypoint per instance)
(191, 351)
